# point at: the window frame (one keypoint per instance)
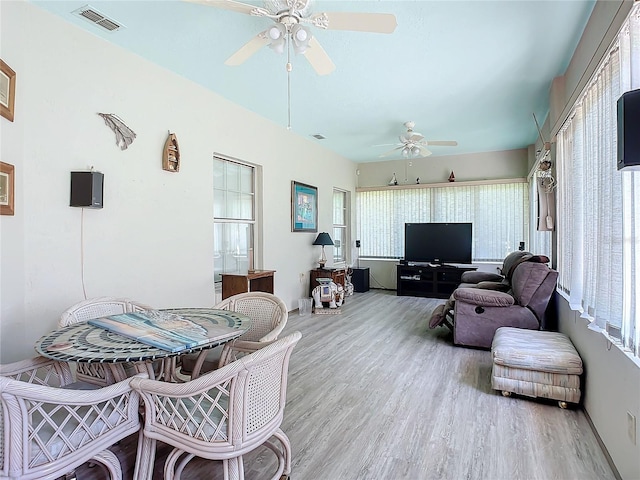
(345, 238)
(251, 257)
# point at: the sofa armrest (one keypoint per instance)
(485, 298)
(477, 277)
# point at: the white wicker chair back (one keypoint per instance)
(221, 415)
(95, 373)
(268, 314)
(49, 431)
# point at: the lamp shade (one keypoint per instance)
(323, 239)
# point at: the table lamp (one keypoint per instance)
(323, 239)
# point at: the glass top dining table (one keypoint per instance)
(83, 342)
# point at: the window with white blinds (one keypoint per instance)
(598, 221)
(234, 216)
(499, 213)
(340, 222)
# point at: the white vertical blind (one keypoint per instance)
(499, 213)
(598, 231)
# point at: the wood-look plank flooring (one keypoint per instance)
(375, 394)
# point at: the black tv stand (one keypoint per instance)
(429, 264)
(427, 280)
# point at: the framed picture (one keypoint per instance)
(304, 207)
(7, 185)
(7, 91)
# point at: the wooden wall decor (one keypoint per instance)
(171, 154)
(7, 91)
(7, 189)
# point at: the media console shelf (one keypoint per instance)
(429, 281)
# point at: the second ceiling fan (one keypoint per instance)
(412, 144)
(292, 18)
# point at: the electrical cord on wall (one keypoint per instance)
(380, 285)
(84, 290)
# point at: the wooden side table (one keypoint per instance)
(256, 281)
(337, 275)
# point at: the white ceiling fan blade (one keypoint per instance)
(386, 145)
(424, 152)
(318, 58)
(415, 137)
(226, 5)
(443, 143)
(360, 22)
(386, 154)
(248, 49)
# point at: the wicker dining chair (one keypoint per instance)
(268, 315)
(96, 373)
(221, 415)
(47, 429)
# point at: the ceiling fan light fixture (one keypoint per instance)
(276, 32)
(277, 45)
(415, 151)
(300, 36)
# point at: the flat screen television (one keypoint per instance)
(438, 242)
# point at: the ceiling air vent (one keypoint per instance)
(94, 16)
(318, 136)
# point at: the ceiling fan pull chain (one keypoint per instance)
(289, 68)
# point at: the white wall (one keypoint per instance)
(611, 389)
(153, 240)
(436, 169)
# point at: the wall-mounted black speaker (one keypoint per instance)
(86, 189)
(629, 130)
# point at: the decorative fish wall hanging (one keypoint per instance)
(124, 135)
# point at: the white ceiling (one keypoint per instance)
(472, 71)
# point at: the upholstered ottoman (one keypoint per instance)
(536, 364)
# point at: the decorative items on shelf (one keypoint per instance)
(452, 177)
(394, 180)
(323, 239)
(124, 135)
(171, 154)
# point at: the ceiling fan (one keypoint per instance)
(412, 144)
(291, 18)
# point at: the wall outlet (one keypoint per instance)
(631, 427)
(302, 278)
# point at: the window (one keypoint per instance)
(233, 216)
(598, 223)
(340, 221)
(499, 213)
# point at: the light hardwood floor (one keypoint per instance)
(375, 394)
